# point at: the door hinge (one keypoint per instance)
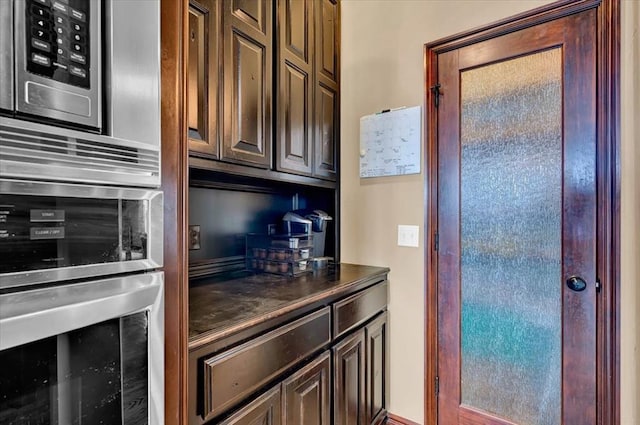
(436, 241)
(598, 285)
(437, 385)
(436, 94)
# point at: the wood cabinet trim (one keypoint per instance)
(174, 148)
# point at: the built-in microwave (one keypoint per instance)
(79, 90)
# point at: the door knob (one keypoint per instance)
(576, 283)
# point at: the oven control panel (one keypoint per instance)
(57, 40)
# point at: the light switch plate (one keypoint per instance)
(408, 235)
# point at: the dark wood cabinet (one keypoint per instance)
(349, 380)
(264, 410)
(360, 375)
(327, 104)
(305, 394)
(248, 80)
(295, 86)
(203, 86)
(376, 369)
(326, 365)
(308, 59)
(360, 360)
(302, 398)
(234, 49)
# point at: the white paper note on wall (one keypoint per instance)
(390, 143)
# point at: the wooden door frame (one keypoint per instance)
(608, 187)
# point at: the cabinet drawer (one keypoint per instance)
(358, 308)
(231, 376)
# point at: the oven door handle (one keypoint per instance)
(28, 316)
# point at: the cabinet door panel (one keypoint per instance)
(253, 13)
(295, 74)
(248, 90)
(306, 394)
(248, 80)
(327, 28)
(202, 74)
(376, 333)
(265, 410)
(295, 130)
(349, 380)
(326, 83)
(326, 131)
(297, 21)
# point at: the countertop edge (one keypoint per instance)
(204, 339)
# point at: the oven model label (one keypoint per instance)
(47, 215)
(38, 233)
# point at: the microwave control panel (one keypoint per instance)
(57, 40)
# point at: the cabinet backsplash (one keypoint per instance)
(225, 216)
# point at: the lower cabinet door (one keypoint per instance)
(306, 394)
(376, 375)
(349, 380)
(264, 410)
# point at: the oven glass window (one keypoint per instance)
(94, 375)
(42, 232)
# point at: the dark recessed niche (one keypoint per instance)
(227, 207)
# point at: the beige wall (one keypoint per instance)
(382, 67)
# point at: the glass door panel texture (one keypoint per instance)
(511, 238)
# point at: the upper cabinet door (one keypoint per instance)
(203, 101)
(248, 52)
(327, 70)
(295, 86)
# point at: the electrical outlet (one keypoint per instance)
(194, 237)
(408, 235)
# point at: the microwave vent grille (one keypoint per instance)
(83, 159)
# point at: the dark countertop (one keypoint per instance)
(221, 307)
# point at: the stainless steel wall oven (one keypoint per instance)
(81, 304)
(83, 353)
(51, 232)
(81, 213)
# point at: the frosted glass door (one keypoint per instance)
(516, 228)
(511, 237)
